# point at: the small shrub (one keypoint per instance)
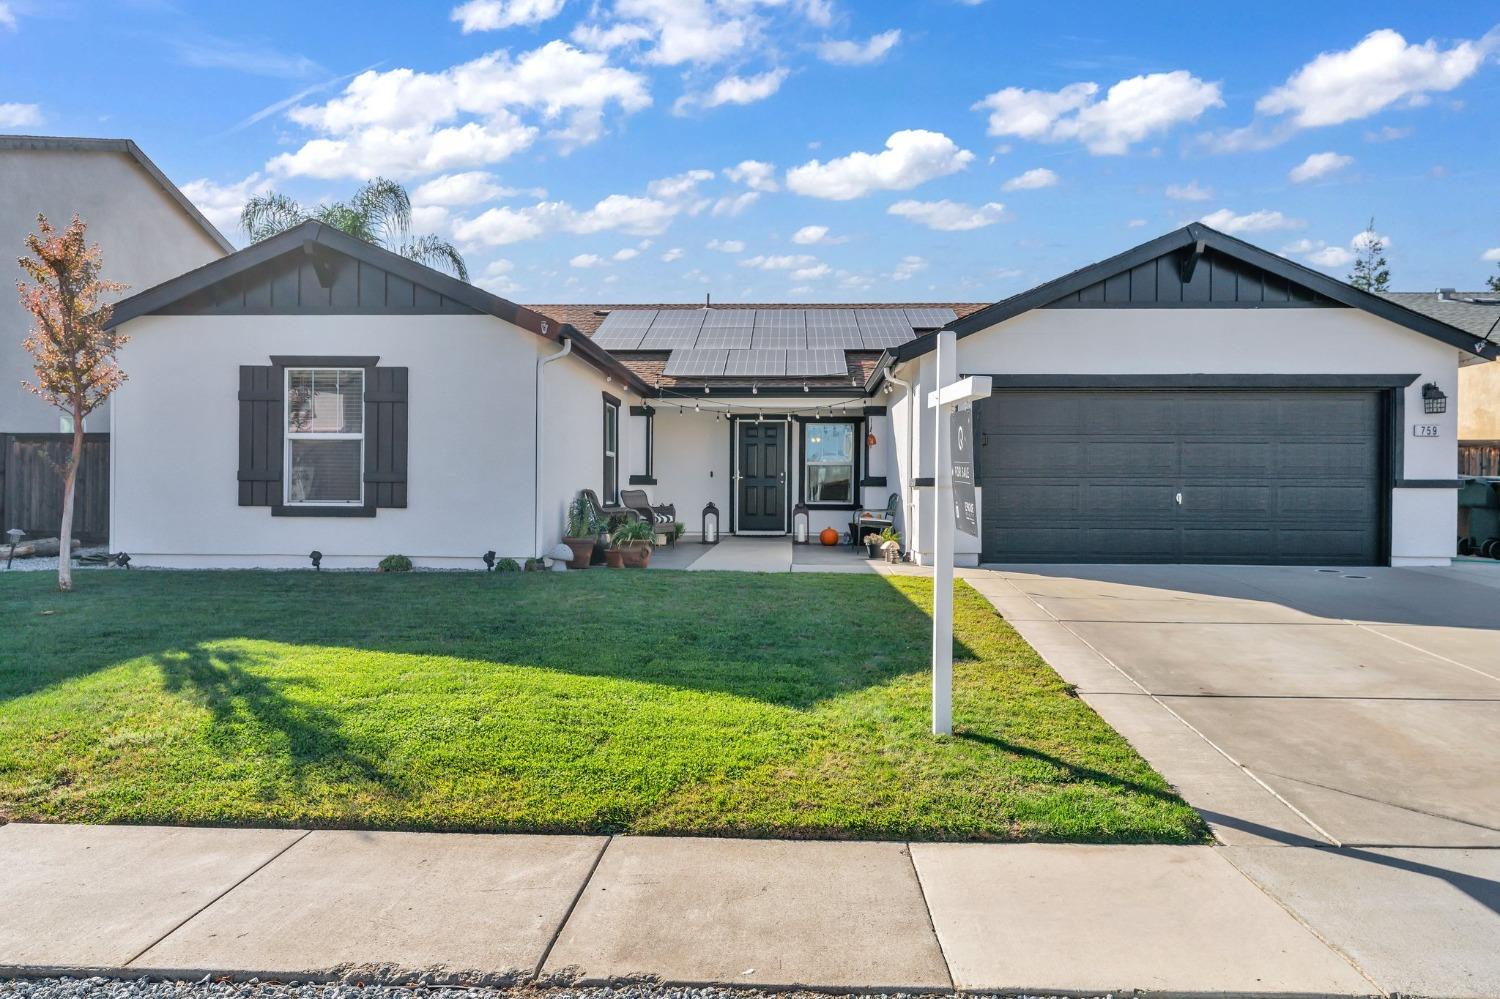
(395, 563)
(507, 565)
(535, 565)
(677, 529)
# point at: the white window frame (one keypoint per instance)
(612, 424)
(288, 435)
(854, 441)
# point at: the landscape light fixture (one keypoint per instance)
(317, 560)
(15, 534)
(489, 561)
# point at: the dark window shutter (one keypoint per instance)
(260, 434)
(385, 437)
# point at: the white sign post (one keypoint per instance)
(949, 395)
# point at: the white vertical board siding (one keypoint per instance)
(176, 442)
(1315, 341)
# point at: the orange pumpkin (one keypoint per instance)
(829, 536)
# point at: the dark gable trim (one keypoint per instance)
(1193, 237)
(1428, 483)
(1179, 382)
(311, 239)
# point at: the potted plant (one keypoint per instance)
(872, 545)
(580, 532)
(634, 541)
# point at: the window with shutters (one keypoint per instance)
(325, 437)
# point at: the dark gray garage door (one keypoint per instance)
(1290, 477)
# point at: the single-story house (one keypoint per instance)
(1193, 399)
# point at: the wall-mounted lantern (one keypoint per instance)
(1433, 399)
(710, 524)
(801, 524)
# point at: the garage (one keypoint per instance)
(1261, 476)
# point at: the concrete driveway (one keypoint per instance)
(1338, 729)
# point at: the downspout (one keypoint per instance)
(910, 492)
(539, 466)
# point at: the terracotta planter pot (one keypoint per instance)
(614, 558)
(637, 554)
(583, 551)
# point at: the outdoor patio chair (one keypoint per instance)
(661, 517)
(602, 513)
(866, 521)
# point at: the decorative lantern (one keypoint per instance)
(1433, 399)
(801, 526)
(710, 524)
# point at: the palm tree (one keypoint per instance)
(379, 213)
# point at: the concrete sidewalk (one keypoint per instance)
(752, 913)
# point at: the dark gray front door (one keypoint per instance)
(761, 497)
(1257, 477)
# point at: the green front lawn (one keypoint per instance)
(649, 702)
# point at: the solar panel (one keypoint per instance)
(703, 363)
(929, 318)
(623, 330)
(756, 363)
(827, 319)
(844, 337)
(781, 319)
(815, 362)
(717, 318)
(673, 329)
(882, 328)
(732, 337)
(675, 319)
(779, 338)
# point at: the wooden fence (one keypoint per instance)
(31, 485)
(1479, 458)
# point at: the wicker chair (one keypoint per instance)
(661, 517)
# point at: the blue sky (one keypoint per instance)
(805, 150)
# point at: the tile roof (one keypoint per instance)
(587, 318)
(1471, 318)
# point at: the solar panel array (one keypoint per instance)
(763, 343)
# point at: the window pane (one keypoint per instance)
(830, 483)
(829, 442)
(325, 471)
(325, 400)
(828, 462)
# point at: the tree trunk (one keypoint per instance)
(70, 480)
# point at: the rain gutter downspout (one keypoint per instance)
(910, 492)
(539, 465)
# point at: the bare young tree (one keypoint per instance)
(71, 350)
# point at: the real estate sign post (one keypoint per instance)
(950, 395)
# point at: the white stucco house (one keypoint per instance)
(1193, 399)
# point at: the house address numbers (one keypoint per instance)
(1424, 430)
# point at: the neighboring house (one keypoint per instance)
(1194, 399)
(147, 232)
(1476, 313)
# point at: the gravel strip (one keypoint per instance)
(44, 563)
(113, 988)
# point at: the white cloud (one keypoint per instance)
(1030, 180)
(585, 260)
(1331, 256)
(1386, 133)
(20, 115)
(679, 185)
(1131, 110)
(7, 17)
(909, 267)
(221, 203)
(727, 245)
(1135, 224)
(783, 262)
(851, 53)
(911, 157)
(404, 123)
(628, 253)
(493, 15)
(813, 235)
(496, 278)
(681, 31)
(1490, 255)
(1365, 237)
(1382, 70)
(1190, 191)
(1258, 221)
(672, 255)
(813, 273)
(1318, 165)
(754, 174)
(469, 188)
(502, 225)
(949, 216)
(734, 90)
(732, 205)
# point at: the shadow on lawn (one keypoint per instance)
(770, 638)
(1071, 771)
(258, 714)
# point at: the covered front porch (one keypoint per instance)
(763, 554)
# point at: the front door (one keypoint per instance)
(761, 496)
